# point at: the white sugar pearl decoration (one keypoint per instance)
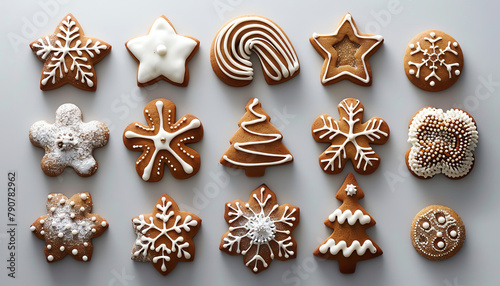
(103, 223)
(441, 219)
(85, 258)
(42, 232)
(85, 244)
(42, 221)
(94, 218)
(457, 72)
(74, 231)
(74, 251)
(439, 234)
(425, 225)
(61, 215)
(433, 34)
(72, 215)
(62, 248)
(455, 44)
(72, 203)
(49, 197)
(432, 83)
(412, 71)
(83, 196)
(52, 209)
(62, 201)
(412, 46)
(68, 226)
(54, 223)
(49, 246)
(94, 230)
(441, 244)
(82, 209)
(453, 233)
(50, 258)
(32, 228)
(60, 234)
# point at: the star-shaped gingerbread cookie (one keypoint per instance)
(69, 56)
(346, 52)
(69, 227)
(162, 54)
(69, 142)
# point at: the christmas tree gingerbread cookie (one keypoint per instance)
(350, 138)
(349, 243)
(69, 56)
(257, 144)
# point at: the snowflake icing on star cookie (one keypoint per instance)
(165, 236)
(260, 230)
(349, 138)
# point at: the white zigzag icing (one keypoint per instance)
(349, 216)
(347, 251)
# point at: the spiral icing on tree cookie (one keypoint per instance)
(443, 142)
(242, 36)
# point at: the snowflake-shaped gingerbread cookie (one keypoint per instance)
(69, 142)
(164, 237)
(350, 138)
(69, 227)
(69, 56)
(260, 229)
(163, 141)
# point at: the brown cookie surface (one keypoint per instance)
(69, 142)
(69, 56)
(437, 232)
(346, 52)
(257, 144)
(239, 38)
(163, 142)
(165, 236)
(442, 142)
(350, 138)
(433, 60)
(69, 227)
(260, 229)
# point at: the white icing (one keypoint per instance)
(440, 234)
(462, 144)
(74, 251)
(453, 234)
(334, 248)
(162, 52)
(440, 244)
(348, 19)
(50, 258)
(351, 218)
(85, 258)
(162, 140)
(49, 246)
(83, 196)
(148, 232)
(62, 248)
(331, 129)
(57, 53)
(351, 190)
(32, 228)
(240, 146)
(425, 225)
(259, 230)
(441, 219)
(236, 41)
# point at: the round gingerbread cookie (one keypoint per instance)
(437, 232)
(433, 60)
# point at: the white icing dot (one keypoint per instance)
(49, 246)
(441, 219)
(441, 244)
(85, 258)
(32, 228)
(161, 50)
(453, 233)
(61, 215)
(62, 248)
(52, 209)
(60, 234)
(68, 226)
(94, 230)
(455, 44)
(50, 258)
(62, 201)
(49, 197)
(412, 71)
(425, 225)
(82, 209)
(432, 83)
(412, 46)
(74, 251)
(42, 232)
(42, 221)
(94, 218)
(74, 231)
(433, 34)
(83, 196)
(54, 223)
(457, 72)
(439, 234)
(72, 203)
(85, 244)
(103, 223)
(72, 215)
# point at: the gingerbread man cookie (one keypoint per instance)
(69, 227)
(165, 236)
(442, 142)
(69, 56)
(69, 142)
(260, 229)
(162, 54)
(163, 141)
(350, 138)
(346, 52)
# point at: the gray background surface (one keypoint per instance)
(393, 196)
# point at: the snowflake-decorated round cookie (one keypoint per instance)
(433, 60)
(437, 232)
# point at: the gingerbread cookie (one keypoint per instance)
(257, 144)
(165, 236)
(350, 138)
(69, 56)
(433, 60)
(349, 243)
(346, 52)
(442, 142)
(239, 38)
(69, 142)
(437, 232)
(69, 227)
(163, 141)
(162, 54)
(260, 229)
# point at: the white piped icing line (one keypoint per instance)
(159, 243)
(348, 18)
(273, 137)
(262, 230)
(335, 247)
(58, 48)
(161, 141)
(347, 215)
(162, 52)
(442, 142)
(235, 42)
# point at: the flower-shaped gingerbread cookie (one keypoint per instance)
(260, 230)
(350, 138)
(442, 142)
(162, 54)
(69, 56)
(165, 236)
(163, 141)
(69, 227)
(69, 142)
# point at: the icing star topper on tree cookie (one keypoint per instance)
(162, 54)
(346, 53)
(69, 56)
